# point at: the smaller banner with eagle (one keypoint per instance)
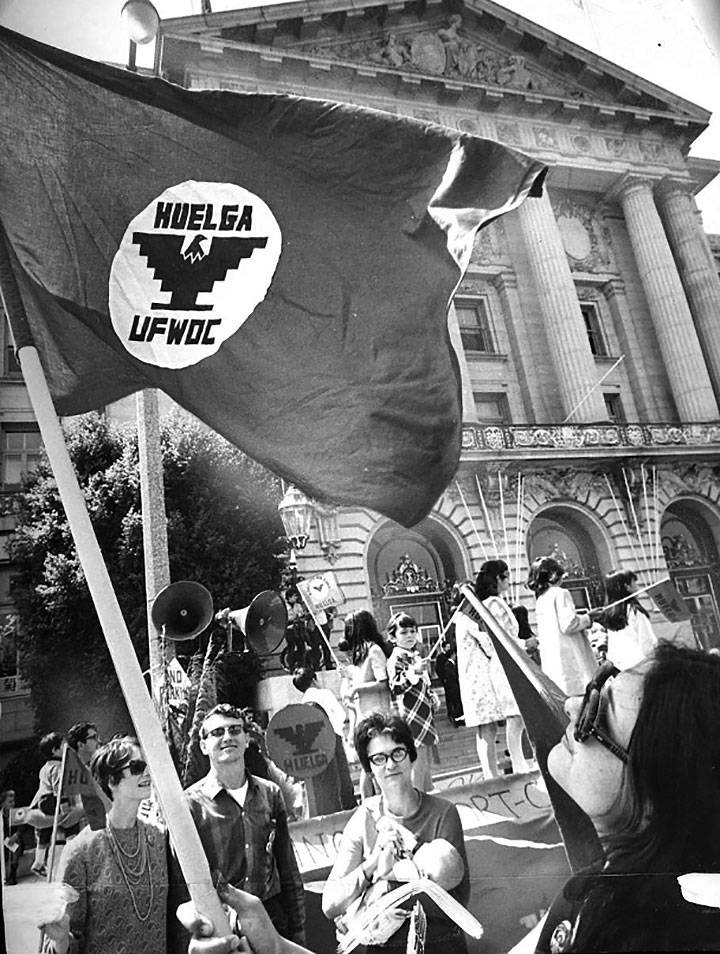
(281, 267)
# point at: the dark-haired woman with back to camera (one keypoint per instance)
(630, 634)
(565, 650)
(368, 653)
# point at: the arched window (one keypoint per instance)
(562, 534)
(691, 554)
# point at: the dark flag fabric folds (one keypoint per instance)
(281, 267)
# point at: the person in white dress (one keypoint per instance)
(630, 636)
(566, 653)
(485, 691)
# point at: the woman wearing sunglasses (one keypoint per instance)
(641, 756)
(120, 871)
(398, 826)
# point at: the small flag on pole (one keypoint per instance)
(77, 780)
(669, 601)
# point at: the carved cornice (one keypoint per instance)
(498, 438)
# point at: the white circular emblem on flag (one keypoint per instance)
(190, 270)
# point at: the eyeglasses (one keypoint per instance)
(219, 731)
(136, 766)
(593, 711)
(397, 755)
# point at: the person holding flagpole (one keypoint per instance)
(630, 635)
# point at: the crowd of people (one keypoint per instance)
(635, 706)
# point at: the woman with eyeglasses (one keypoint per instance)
(486, 695)
(401, 824)
(120, 871)
(641, 756)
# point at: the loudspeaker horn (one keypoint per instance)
(263, 621)
(182, 610)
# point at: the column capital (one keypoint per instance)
(675, 185)
(628, 184)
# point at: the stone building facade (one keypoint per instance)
(586, 326)
(587, 323)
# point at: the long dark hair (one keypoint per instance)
(544, 572)
(617, 586)
(671, 822)
(486, 582)
(361, 630)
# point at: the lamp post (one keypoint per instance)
(296, 512)
(142, 22)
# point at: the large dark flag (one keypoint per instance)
(281, 267)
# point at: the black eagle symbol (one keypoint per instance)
(301, 737)
(185, 274)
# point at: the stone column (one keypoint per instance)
(677, 338)
(695, 264)
(567, 338)
(521, 346)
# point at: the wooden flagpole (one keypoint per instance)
(183, 834)
(53, 837)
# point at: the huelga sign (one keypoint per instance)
(190, 270)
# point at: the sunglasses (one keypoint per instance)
(220, 731)
(136, 766)
(396, 755)
(90, 736)
(593, 712)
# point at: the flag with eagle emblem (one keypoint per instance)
(281, 267)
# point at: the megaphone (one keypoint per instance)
(182, 610)
(263, 621)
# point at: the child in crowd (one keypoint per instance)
(409, 682)
(46, 795)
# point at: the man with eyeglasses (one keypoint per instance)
(83, 738)
(243, 825)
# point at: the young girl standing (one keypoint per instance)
(410, 687)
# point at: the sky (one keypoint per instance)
(657, 39)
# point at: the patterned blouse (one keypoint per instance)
(122, 907)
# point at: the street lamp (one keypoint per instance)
(142, 22)
(296, 512)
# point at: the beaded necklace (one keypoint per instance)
(133, 866)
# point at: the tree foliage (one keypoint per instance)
(222, 530)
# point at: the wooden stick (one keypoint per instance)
(651, 546)
(634, 516)
(503, 521)
(619, 511)
(517, 538)
(643, 589)
(593, 388)
(472, 522)
(183, 834)
(486, 515)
